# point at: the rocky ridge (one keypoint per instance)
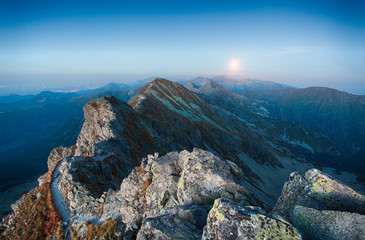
(113, 191)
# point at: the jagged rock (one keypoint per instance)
(170, 183)
(290, 195)
(131, 231)
(329, 225)
(113, 127)
(169, 226)
(162, 192)
(227, 220)
(194, 214)
(41, 180)
(319, 191)
(130, 200)
(205, 177)
(59, 153)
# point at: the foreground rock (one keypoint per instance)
(227, 220)
(329, 225)
(319, 191)
(181, 185)
(169, 226)
(321, 207)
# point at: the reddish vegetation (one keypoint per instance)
(105, 231)
(143, 185)
(36, 218)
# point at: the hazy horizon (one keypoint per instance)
(64, 44)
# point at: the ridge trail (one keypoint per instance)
(59, 201)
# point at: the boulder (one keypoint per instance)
(319, 191)
(205, 177)
(194, 214)
(169, 226)
(228, 220)
(330, 225)
(57, 154)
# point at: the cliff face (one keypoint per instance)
(171, 159)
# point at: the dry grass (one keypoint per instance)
(96, 232)
(36, 218)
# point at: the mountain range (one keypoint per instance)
(179, 155)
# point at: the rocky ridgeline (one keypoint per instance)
(114, 192)
(171, 197)
(197, 195)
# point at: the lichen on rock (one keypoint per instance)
(331, 225)
(319, 191)
(228, 220)
(169, 227)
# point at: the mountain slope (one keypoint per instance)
(340, 116)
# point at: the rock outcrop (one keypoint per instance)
(169, 226)
(227, 220)
(332, 225)
(58, 154)
(322, 207)
(320, 191)
(178, 186)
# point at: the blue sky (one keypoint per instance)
(65, 43)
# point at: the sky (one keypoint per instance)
(58, 43)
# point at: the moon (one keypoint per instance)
(234, 65)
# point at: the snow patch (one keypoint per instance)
(297, 143)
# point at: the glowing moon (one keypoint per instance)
(234, 65)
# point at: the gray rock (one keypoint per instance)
(169, 226)
(329, 225)
(59, 153)
(194, 214)
(176, 184)
(205, 177)
(162, 192)
(227, 220)
(319, 191)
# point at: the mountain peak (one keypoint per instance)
(211, 84)
(167, 95)
(161, 81)
(157, 89)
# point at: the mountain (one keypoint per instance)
(109, 87)
(340, 116)
(14, 98)
(174, 164)
(279, 132)
(30, 133)
(37, 100)
(233, 83)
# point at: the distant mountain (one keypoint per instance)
(234, 83)
(14, 98)
(338, 115)
(109, 87)
(114, 87)
(37, 100)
